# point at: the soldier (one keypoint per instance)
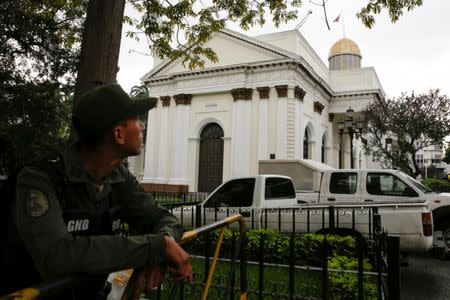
(71, 226)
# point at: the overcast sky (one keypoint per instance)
(412, 54)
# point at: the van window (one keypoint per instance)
(385, 184)
(279, 188)
(343, 183)
(236, 193)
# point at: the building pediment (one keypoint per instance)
(232, 49)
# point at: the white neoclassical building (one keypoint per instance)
(268, 97)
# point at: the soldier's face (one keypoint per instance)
(131, 138)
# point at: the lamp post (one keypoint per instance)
(353, 127)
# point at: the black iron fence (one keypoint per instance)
(344, 219)
(292, 281)
(302, 281)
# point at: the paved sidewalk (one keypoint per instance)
(425, 278)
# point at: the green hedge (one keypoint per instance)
(307, 247)
(437, 185)
(344, 285)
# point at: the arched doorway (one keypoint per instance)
(211, 158)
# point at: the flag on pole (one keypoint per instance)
(337, 19)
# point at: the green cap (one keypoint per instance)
(103, 107)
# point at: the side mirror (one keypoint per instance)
(409, 192)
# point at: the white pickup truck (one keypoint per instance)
(319, 183)
(269, 201)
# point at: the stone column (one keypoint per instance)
(263, 147)
(281, 124)
(163, 147)
(241, 132)
(150, 147)
(179, 157)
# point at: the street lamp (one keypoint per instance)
(353, 127)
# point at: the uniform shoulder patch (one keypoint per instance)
(36, 204)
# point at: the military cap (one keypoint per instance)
(104, 106)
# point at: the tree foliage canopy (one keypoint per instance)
(191, 23)
(38, 46)
(395, 8)
(410, 122)
(446, 158)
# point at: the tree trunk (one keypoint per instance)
(416, 170)
(100, 47)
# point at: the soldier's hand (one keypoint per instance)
(178, 260)
(148, 278)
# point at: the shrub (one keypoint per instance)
(307, 247)
(345, 285)
(437, 185)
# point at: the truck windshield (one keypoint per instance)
(417, 184)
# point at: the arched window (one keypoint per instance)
(305, 145)
(322, 151)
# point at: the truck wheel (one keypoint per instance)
(443, 252)
(446, 240)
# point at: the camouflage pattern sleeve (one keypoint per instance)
(143, 213)
(56, 252)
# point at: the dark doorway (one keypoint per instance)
(322, 151)
(211, 158)
(306, 145)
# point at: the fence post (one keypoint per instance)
(207, 255)
(261, 267)
(291, 267)
(324, 255)
(279, 218)
(233, 277)
(198, 216)
(331, 217)
(243, 269)
(379, 238)
(376, 221)
(393, 261)
(361, 248)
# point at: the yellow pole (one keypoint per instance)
(213, 265)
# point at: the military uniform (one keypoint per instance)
(75, 230)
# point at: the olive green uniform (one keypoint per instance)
(78, 232)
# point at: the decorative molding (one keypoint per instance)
(263, 92)
(281, 90)
(299, 93)
(330, 117)
(318, 107)
(183, 99)
(241, 94)
(165, 100)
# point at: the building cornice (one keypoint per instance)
(289, 64)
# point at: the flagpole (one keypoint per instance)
(343, 24)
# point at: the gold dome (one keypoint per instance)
(344, 46)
